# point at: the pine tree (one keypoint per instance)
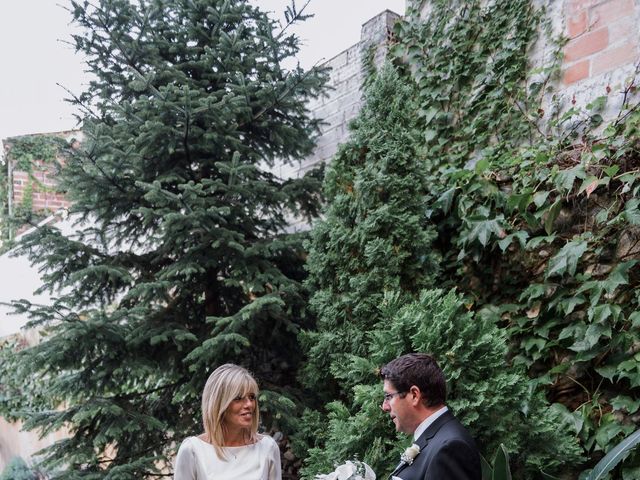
(182, 260)
(374, 239)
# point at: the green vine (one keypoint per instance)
(538, 213)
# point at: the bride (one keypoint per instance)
(230, 447)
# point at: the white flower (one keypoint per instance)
(410, 454)
(355, 470)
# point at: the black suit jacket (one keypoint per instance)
(447, 452)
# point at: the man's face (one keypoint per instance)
(399, 408)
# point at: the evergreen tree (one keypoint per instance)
(374, 239)
(17, 469)
(181, 260)
(495, 401)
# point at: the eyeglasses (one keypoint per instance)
(386, 398)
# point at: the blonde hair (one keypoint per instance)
(226, 383)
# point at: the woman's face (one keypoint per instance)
(239, 413)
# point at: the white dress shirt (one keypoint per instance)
(428, 421)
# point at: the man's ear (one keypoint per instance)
(415, 395)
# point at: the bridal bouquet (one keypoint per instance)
(355, 470)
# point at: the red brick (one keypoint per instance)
(577, 24)
(608, 12)
(586, 45)
(614, 57)
(576, 72)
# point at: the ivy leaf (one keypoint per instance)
(608, 371)
(611, 171)
(446, 200)
(552, 214)
(602, 215)
(589, 184)
(565, 178)
(518, 202)
(483, 230)
(592, 336)
(430, 134)
(482, 165)
(539, 198)
(569, 304)
(622, 402)
(566, 260)
(600, 313)
(634, 318)
(533, 291)
(619, 276)
(429, 114)
(573, 419)
(631, 212)
(521, 236)
(535, 242)
(609, 431)
(575, 330)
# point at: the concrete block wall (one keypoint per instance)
(344, 97)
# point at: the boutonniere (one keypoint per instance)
(410, 454)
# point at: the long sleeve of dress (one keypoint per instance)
(185, 468)
(275, 467)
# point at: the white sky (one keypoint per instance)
(35, 57)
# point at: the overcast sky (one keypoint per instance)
(35, 57)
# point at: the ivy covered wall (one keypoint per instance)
(28, 185)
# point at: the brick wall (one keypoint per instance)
(40, 184)
(603, 37)
(44, 196)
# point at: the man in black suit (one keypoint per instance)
(414, 396)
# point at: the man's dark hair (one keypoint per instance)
(417, 369)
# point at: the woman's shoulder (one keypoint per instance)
(267, 441)
(189, 443)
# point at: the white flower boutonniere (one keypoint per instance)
(410, 454)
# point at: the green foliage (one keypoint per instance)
(17, 469)
(25, 150)
(614, 457)
(537, 212)
(493, 399)
(374, 237)
(181, 260)
(501, 470)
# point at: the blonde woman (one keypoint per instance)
(230, 447)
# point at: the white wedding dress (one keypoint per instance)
(197, 460)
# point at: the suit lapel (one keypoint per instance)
(423, 440)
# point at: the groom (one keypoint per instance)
(414, 396)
